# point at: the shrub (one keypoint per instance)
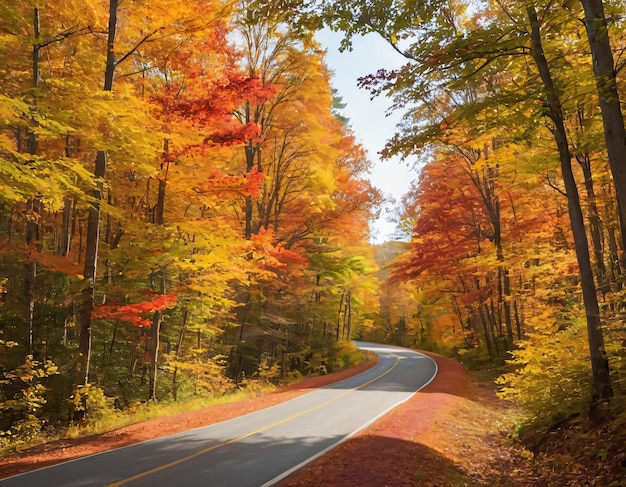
(551, 378)
(22, 397)
(91, 401)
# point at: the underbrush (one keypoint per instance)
(559, 423)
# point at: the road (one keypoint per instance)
(258, 449)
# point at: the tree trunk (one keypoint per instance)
(485, 183)
(155, 330)
(608, 97)
(93, 223)
(599, 362)
(595, 224)
(109, 354)
(491, 322)
(90, 273)
(339, 314)
(615, 269)
(506, 282)
(518, 321)
(250, 151)
(32, 205)
(155, 333)
(179, 345)
(485, 327)
(31, 277)
(160, 204)
(349, 310)
(66, 227)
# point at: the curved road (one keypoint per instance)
(257, 449)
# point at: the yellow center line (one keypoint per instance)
(246, 435)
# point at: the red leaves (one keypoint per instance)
(254, 179)
(210, 103)
(233, 134)
(132, 312)
(286, 256)
(247, 185)
(450, 223)
(275, 256)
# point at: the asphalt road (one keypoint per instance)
(257, 449)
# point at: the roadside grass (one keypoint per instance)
(149, 410)
(136, 413)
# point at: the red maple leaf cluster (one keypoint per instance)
(133, 312)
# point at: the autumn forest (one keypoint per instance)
(185, 210)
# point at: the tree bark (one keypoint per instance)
(485, 327)
(339, 314)
(160, 204)
(66, 227)
(109, 354)
(90, 272)
(250, 151)
(595, 224)
(506, 284)
(599, 362)
(93, 223)
(179, 346)
(155, 330)
(608, 97)
(31, 278)
(349, 311)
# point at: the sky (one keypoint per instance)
(367, 117)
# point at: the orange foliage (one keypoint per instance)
(57, 263)
(132, 312)
(247, 185)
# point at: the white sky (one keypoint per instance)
(367, 117)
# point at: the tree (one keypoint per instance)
(599, 361)
(436, 73)
(174, 19)
(609, 99)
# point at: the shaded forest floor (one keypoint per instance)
(452, 433)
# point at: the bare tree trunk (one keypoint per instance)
(615, 268)
(91, 260)
(518, 321)
(155, 332)
(493, 330)
(504, 303)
